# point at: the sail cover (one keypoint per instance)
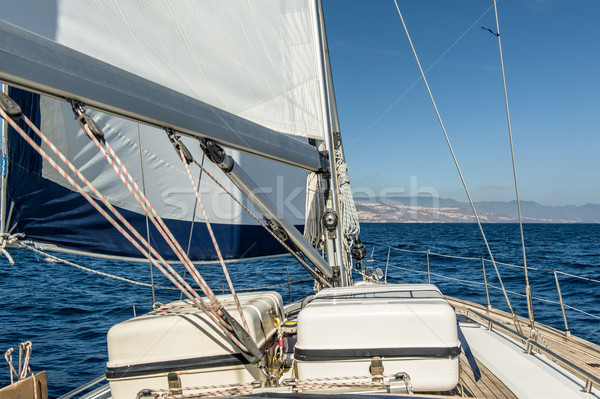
(254, 59)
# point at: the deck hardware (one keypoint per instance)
(400, 384)
(487, 290)
(174, 384)
(86, 120)
(179, 146)
(146, 394)
(330, 220)
(358, 252)
(277, 229)
(9, 106)
(376, 369)
(217, 155)
(562, 306)
(589, 378)
(588, 386)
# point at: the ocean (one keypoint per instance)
(66, 312)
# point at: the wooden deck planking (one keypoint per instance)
(583, 354)
(484, 385)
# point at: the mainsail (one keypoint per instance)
(254, 61)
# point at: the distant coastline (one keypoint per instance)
(444, 210)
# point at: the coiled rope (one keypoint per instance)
(348, 214)
(24, 357)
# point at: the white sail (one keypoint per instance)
(254, 59)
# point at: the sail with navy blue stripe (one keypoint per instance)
(47, 210)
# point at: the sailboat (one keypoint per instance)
(178, 133)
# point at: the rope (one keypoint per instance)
(349, 216)
(212, 311)
(215, 244)
(25, 355)
(335, 382)
(9, 360)
(7, 239)
(68, 263)
(183, 286)
(210, 391)
(462, 179)
(294, 254)
(155, 218)
(25, 348)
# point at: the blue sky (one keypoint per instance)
(552, 60)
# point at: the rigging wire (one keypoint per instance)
(512, 153)
(244, 207)
(214, 240)
(147, 222)
(215, 310)
(171, 274)
(437, 61)
(193, 221)
(456, 162)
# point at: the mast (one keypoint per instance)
(333, 246)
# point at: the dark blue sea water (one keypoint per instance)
(66, 312)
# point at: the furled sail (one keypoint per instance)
(255, 60)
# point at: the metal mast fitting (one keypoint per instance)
(236, 174)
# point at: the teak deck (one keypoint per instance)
(482, 383)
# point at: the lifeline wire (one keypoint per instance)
(462, 179)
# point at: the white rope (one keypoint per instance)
(7, 239)
(8, 357)
(25, 348)
(66, 262)
(312, 224)
(348, 214)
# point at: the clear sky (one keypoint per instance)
(392, 139)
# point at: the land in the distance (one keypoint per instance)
(443, 210)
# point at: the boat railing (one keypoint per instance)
(485, 284)
(530, 343)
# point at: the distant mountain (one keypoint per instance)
(445, 210)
